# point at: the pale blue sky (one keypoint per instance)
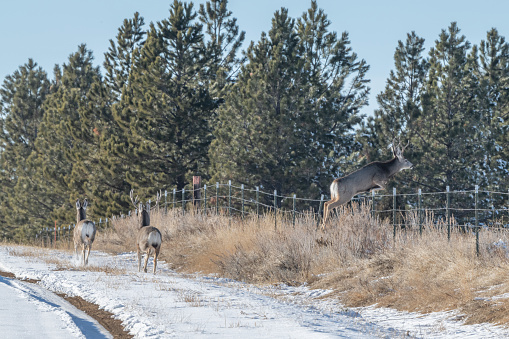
(49, 31)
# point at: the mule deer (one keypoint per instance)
(373, 176)
(148, 238)
(84, 232)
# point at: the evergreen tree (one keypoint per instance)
(223, 43)
(491, 72)
(399, 104)
(67, 145)
(443, 148)
(167, 107)
(122, 54)
(22, 96)
(111, 194)
(292, 108)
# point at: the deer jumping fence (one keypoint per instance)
(468, 211)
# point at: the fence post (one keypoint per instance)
(258, 202)
(217, 198)
(229, 199)
(319, 212)
(165, 202)
(448, 212)
(174, 196)
(205, 199)
(420, 211)
(196, 191)
(476, 220)
(242, 196)
(275, 210)
(373, 204)
(394, 211)
(294, 196)
(183, 202)
(55, 243)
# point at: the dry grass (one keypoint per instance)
(356, 257)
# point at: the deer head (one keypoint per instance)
(143, 211)
(397, 151)
(81, 210)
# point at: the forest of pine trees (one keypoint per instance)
(179, 98)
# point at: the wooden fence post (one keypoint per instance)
(205, 199)
(196, 191)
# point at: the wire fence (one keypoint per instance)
(452, 210)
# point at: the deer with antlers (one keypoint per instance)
(373, 176)
(148, 238)
(84, 232)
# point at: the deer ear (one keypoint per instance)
(78, 204)
(85, 203)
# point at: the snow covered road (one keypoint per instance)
(30, 311)
(172, 305)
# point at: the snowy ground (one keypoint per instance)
(169, 304)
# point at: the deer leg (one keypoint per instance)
(146, 261)
(379, 185)
(326, 211)
(139, 259)
(156, 254)
(76, 249)
(334, 204)
(88, 253)
(83, 254)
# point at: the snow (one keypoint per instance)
(30, 311)
(173, 305)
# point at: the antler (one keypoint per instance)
(404, 147)
(134, 201)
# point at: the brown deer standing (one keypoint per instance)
(148, 238)
(373, 176)
(84, 232)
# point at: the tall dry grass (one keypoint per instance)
(356, 256)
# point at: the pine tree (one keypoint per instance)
(66, 146)
(22, 96)
(111, 193)
(167, 107)
(122, 54)
(399, 104)
(491, 72)
(443, 147)
(291, 109)
(223, 44)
